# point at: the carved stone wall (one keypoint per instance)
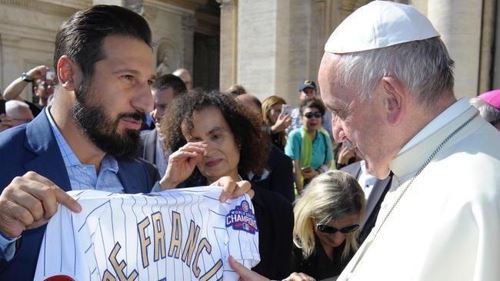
(172, 34)
(27, 34)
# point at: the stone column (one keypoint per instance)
(459, 23)
(257, 46)
(187, 52)
(228, 43)
(496, 64)
(487, 46)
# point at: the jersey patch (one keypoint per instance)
(242, 218)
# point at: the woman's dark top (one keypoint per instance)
(274, 216)
(277, 140)
(318, 264)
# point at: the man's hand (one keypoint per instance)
(181, 164)
(29, 201)
(309, 173)
(248, 275)
(245, 273)
(6, 122)
(233, 189)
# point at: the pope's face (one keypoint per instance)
(354, 120)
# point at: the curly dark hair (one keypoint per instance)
(245, 127)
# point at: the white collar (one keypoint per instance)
(412, 156)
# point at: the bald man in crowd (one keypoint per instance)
(16, 113)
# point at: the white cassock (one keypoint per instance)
(446, 225)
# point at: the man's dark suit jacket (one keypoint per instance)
(33, 147)
(373, 203)
(147, 149)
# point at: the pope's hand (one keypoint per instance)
(245, 273)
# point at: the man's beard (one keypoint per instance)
(102, 131)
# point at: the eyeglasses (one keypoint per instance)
(330, 229)
(310, 115)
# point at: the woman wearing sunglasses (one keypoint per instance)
(327, 218)
(309, 146)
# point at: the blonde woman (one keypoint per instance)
(327, 218)
(276, 119)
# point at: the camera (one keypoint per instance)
(286, 109)
(50, 75)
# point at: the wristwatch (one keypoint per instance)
(26, 77)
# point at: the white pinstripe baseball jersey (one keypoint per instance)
(180, 234)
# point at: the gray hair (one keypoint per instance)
(424, 66)
(488, 112)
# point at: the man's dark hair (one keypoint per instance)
(255, 101)
(81, 36)
(245, 127)
(169, 81)
(236, 90)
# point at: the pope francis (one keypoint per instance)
(387, 78)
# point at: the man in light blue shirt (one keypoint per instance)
(87, 139)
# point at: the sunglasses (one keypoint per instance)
(310, 115)
(330, 229)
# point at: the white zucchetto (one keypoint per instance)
(379, 24)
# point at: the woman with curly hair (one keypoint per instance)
(276, 120)
(212, 136)
(327, 218)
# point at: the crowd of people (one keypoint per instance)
(385, 176)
